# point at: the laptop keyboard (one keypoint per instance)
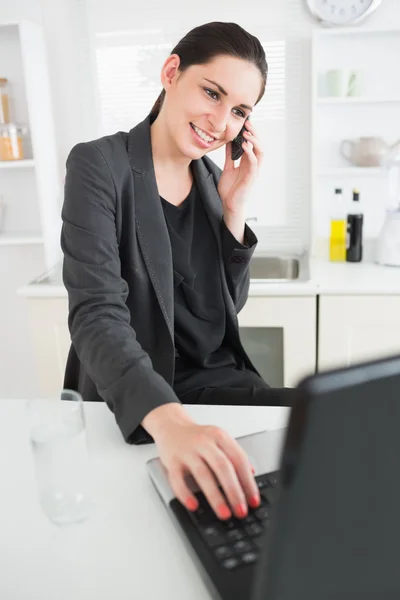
(237, 542)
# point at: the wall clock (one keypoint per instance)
(341, 12)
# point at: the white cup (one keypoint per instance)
(343, 82)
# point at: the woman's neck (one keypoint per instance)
(166, 155)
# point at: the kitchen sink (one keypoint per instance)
(279, 268)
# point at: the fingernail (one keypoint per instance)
(254, 501)
(241, 510)
(192, 504)
(253, 470)
(224, 512)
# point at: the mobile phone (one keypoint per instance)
(237, 149)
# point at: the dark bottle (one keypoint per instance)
(354, 233)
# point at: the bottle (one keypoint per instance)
(354, 232)
(337, 240)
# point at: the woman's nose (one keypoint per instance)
(219, 122)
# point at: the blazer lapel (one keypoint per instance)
(209, 195)
(213, 207)
(151, 228)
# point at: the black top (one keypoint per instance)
(203, 355)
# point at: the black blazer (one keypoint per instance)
(117, 270)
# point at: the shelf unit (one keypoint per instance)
(351, 101)
(31, 187)
(352, 172)
(374, 113)
(20, 239)
(27, 163)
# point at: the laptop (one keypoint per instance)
(328, 527)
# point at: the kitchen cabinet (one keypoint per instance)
(357, 328)
(279, 334)
(51, 339)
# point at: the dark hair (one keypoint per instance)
(204, 43)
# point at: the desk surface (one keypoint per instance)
(128, 548)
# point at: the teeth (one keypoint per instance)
(203, 135)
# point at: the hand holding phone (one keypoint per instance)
(237, 150)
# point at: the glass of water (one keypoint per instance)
(58, 441)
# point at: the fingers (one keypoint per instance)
(220, 467)
(228, 479)
(241, 464)
(180, 488)
(229, 163)
(208, 483)
(250, 136)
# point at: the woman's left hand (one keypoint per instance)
(235, 183)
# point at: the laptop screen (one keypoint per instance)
(335, 533)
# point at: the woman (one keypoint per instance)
(156, 254)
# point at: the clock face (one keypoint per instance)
(342, 12)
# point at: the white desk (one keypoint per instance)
(128, 548)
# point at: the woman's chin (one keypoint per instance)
(194, 153)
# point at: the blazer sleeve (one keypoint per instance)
(99, 320)
(236, 258)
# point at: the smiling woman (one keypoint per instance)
(156, 265)
(220, 72)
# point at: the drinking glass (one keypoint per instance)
(58, 440)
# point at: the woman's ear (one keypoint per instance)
(170, 70)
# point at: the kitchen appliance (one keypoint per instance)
(333, 13)
(388, 246)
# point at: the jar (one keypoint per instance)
(4, 104)
(11, 144)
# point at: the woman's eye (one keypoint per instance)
(212, 94)
(215, 96)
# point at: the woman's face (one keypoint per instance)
(208, 101)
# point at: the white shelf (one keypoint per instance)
(17, 164)
(349, 101)
(353, 171)
(340, 31)
(20, 239)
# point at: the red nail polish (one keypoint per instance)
(254, 501)
(253, 470)
(241, 510)
(192, 504)
(224, 512)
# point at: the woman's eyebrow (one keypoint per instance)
(225, 93)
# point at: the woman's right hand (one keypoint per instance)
(210, 455)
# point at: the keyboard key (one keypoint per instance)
(223, 552)
(262, 513)
(271, 494)
(243, 546)
(254, 529)
(229, 524)
(249, 557)
(261, 484)
(249, 519)
(234, 535)
(203, 516)
(212, 536)
(231, 563)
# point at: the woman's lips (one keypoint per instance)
(200, 140)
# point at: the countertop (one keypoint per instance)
(128, 547)
(365, 278)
